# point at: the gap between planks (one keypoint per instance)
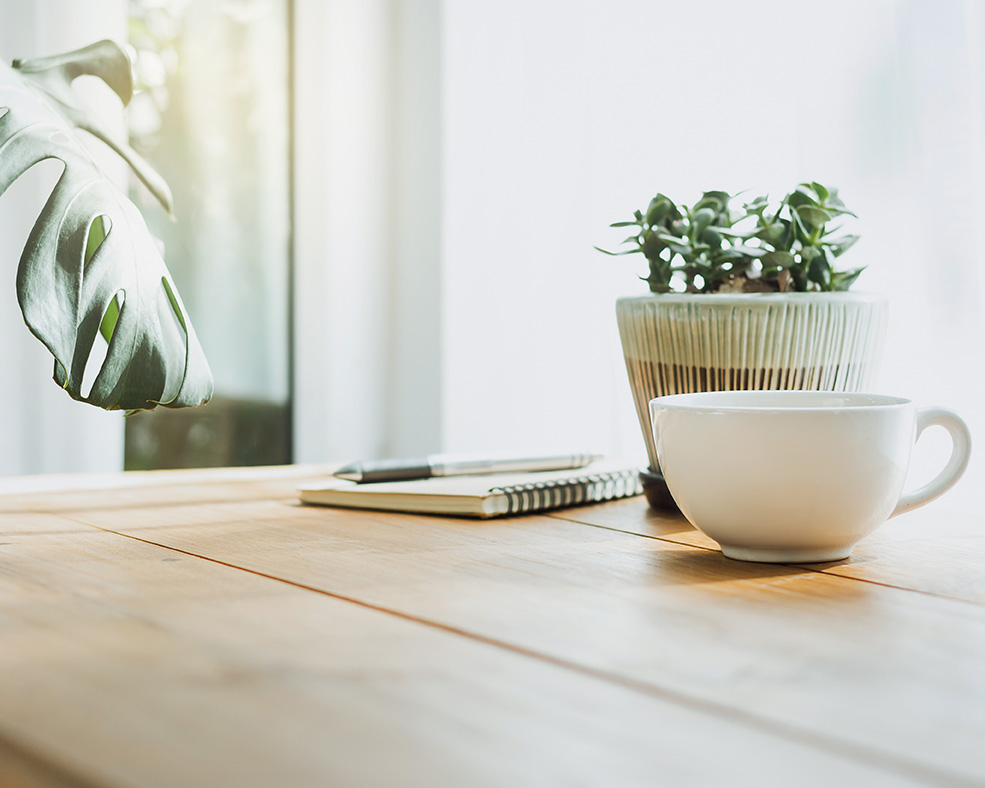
(805, 567)
(890, 763)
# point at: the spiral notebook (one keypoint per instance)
(487, 495)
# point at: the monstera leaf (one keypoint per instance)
(91, 272)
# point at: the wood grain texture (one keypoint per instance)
(885, 677)
(129, 664)
(932, 550)
(21, 768)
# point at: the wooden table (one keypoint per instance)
(204, 629)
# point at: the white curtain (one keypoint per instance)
(556, 119)
(41, 429)
(368, 290)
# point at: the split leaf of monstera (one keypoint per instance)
(91, 272)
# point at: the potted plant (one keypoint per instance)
(91, 282)
(748, 297)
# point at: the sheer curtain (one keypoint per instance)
(41, 429)
(558, 118)
(368, 315)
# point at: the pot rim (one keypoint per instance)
(753, 298)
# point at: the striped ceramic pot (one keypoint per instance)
(677, 343)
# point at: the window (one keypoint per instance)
(212, 115)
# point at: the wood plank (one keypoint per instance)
(20, 768)
(128, 664)
(855, 665)
(69, 492)
(933, 550)
(66, 483)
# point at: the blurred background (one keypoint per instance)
(386, 208)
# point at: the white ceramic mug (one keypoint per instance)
(795, 476)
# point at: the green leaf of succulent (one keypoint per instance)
(801, 228)
(819, 272)
(660, 276)
(776, 234)
(833, 204)
(833, 199)
(702, 219)
(716, 200)
(652, 245)
(757, 206)
(751, 251)
(626, 224)
(675, 244)
(842, 280)
(841, 245)
(802, 195)
(90, 265)
(820, 191)
(777, 259)
(813, 216)
(712, 238)
(745, 235)
(658, 285)
(808, 254)
(661, 208)
(620, 253)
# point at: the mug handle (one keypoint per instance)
(960, 453)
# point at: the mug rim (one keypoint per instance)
(759, 401)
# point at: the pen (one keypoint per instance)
(456, 465)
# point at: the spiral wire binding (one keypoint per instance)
(540, 496)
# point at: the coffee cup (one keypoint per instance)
(796, 476)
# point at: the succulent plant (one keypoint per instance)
(712, 247)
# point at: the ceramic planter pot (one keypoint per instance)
(679, 343)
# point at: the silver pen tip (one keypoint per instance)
(352, 472)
